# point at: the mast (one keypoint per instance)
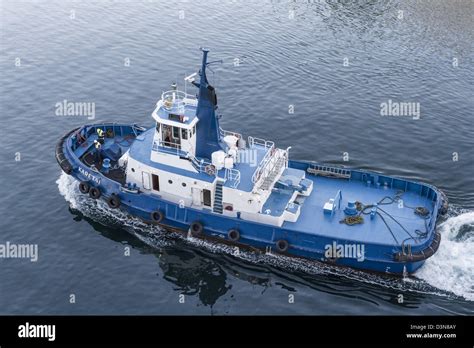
(207, 128)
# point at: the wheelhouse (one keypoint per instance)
(175, 116)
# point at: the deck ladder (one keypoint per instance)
(218, 208)
(273, 174)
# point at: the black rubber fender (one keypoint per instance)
(196, 228)
(282, 245)
(65, 165)
(233, 235)
(95, 192)
(157, 216)
(84, 187)
(113, 201)
(422, 254)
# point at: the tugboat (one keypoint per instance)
(188, 174)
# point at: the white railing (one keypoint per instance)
(224, 133)
(268, 164)
(175, 99)
(264, 164)
(233, 175)
(260, 142)
(202, 166)
(168, 147)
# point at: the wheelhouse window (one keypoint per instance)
(171, 136)
(184, 133)
(175, 117)
(176, 132)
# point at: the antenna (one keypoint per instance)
(191, 78)
(215, 61)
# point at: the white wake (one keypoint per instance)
(452, 267)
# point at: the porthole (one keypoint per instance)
(133, 170)
(170, 181)
(184, 184)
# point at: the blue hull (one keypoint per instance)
(378, 257)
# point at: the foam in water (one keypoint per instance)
(430, 283)
(452, 267)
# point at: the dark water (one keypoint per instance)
(288, 53)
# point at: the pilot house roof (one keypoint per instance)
(176, 108)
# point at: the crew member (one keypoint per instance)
(101, 135)
(98, 147)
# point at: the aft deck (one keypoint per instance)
(313, 220)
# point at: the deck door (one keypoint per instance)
(206, 197)
(196, 196)
(146, 180)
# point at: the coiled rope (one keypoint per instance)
(387, 200)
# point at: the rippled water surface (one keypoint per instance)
(276, 54)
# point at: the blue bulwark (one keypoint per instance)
(208, 127)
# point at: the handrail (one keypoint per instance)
(233, 175)
(201, 165)
(338, 195)
(175, 149)
(167, 144)
(223, 133)
(170, 144)
(136, 128)
(270, 146)
(260, 168)
(262, 142)
(177, 99)
(267, 165)
(168, 147)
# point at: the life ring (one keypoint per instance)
(113, 201)
(95, 193)
(84, 187)
(233, 235)
(196, 228)
(210, 169)
(282, 245)
(157, 216)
